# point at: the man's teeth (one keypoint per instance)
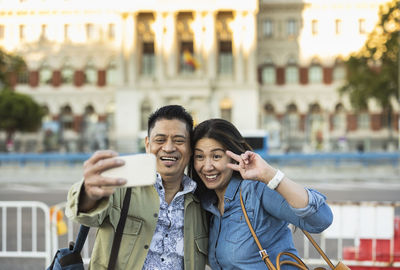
(169, 158)
(211, 177)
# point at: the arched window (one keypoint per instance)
(66, 118)
(339, 118)
(269, 117)
(291, 120)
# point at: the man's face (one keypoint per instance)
(169, 141)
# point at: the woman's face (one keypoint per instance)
(210, 163)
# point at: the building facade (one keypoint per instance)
(301, 49)
(99, 68)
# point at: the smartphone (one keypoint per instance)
(138, 170)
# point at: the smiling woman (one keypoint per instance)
(221, 164)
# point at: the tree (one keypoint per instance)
(9, 64)
(373, 71)
(18, 112)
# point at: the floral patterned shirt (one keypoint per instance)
(166, 247)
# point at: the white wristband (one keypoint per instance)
(274, 182)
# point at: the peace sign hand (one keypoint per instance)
(251, 166)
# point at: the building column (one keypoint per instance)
(250, 47)
(131, 48)
(170, 43)
(158, 43)
(237, 48)
(121, 66)
(210, 45)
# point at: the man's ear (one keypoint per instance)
(147, 144)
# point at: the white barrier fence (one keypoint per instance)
(32, 221)
(357, 233)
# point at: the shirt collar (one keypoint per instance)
(232, 188)
(189, 185)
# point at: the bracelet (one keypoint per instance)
(275, 181)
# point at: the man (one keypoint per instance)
(166, 227)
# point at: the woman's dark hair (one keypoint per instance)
(223, 132)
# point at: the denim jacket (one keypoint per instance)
(231, 245)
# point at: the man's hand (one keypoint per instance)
(95, 186)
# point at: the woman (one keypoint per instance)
(221, 160)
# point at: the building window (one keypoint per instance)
(23, 76)
(22, 32)
(314, 27)
(224, 37)
(338, 26)
(67, 75)
(2, 30)
(291, 28)
(225, 57)
(66, 118)
(268, 75)
(226, 109)
(291, 121)
(111, 74)
(90, 75)
(187, 62)
(45, 75)
(339, 119)
(148, 58)
(146, 39)
(361, 26)
(267, 28)
(111, 31)
(315, 74)
(66, 32)
(89, 31)
(145, 111)
(363, 121)
(339, 73)
(292, 74)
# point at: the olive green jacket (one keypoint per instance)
(139, 227)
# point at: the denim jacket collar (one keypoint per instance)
(232, 188)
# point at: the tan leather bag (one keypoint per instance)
(299, 263)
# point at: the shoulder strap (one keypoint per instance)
(81, 238)
(263, 253)
(120, 229)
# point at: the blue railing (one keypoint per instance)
(301, 159)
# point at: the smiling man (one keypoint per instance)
(166, 227)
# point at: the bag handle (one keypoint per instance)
(120, 229)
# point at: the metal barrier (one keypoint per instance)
(364, 234)
(30, 230)
(336, 159)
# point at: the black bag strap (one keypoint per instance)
(81, 238)
(120, 229)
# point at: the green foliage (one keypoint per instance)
(9, 64)
(373, 71)
(19, 112)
